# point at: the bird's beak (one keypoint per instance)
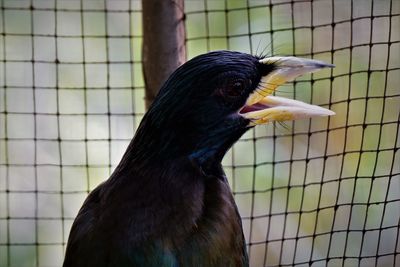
(261, 107)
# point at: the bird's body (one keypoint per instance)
(168, 203)
(192, 221)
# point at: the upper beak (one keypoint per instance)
(261, 107)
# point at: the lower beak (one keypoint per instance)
(261, 107)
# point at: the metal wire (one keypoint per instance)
(321, 192)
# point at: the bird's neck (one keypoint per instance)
(155, 143)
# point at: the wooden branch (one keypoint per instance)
(163, 42)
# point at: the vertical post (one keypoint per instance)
(163, 42)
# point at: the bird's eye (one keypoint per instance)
(236, 88)
(238, 85)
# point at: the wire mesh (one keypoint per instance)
(321, 192)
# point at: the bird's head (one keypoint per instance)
(211, 100)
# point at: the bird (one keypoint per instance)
(168, 203)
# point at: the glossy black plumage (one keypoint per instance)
(168, 203)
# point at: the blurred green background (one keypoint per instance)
(72, 94)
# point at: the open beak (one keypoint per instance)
(261, 107)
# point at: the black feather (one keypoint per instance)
(168, 203)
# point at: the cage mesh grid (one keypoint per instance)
(321, 192)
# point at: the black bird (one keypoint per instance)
(168, 203)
